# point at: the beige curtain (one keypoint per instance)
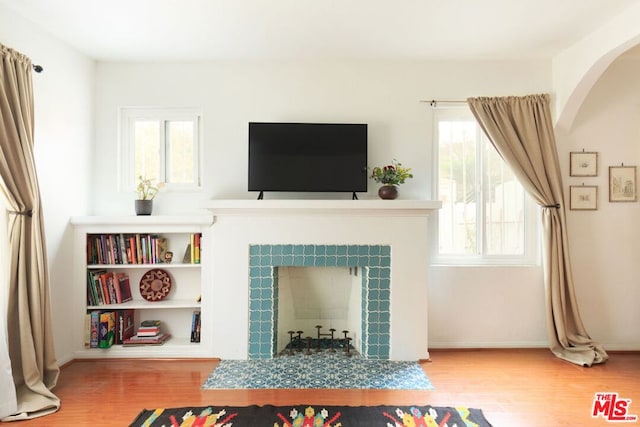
(521, 129)
(31, 350)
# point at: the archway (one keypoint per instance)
(577, 69)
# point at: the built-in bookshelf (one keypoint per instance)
(121, 267)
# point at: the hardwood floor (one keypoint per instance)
(514, 387)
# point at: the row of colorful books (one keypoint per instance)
(136, 249)
(125, 249)
(107, 287)
(106, 328)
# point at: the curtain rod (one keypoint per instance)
(434, 102)
(37, 68)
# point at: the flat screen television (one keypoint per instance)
(307, 157)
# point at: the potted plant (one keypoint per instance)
(390, 176)
(146, 191)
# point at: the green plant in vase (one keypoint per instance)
(390, 176)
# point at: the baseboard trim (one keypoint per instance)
(621, 347)
(524, 344)
(474, 345)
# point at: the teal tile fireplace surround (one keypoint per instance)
(375, 264)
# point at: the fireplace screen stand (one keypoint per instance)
(323, 342)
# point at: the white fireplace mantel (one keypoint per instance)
(374, 207)
(402, 225)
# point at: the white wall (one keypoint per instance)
(385, 95)
(63, 96)
(479, 307)
(468, 304)
(605, 243)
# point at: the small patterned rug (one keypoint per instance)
(321, 370)
(312, 416)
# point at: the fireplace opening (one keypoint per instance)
(369, 319)
(319, 309)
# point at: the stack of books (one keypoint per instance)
(148, 333)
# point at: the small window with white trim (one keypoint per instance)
(486, 218)
(161, 144)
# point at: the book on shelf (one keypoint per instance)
(92, 292)
(144, 341)
(126, 325)
(198, 239)
(123, 249)
(144, 249)
(87, 330)
(110, 290)
(106, 329)
(124, 287)
(148, 332)
(162, 247)
(150, 323)
(195, 326)
(93, 325)
(192, 240)
(138, 247)
(159, 337)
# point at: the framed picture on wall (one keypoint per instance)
(583, 163)
(622, 183)
(583, 197)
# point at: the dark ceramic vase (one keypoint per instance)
(144, 207)
(388, 192)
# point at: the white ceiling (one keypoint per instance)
(160, 30)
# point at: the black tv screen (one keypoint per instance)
(307, 157)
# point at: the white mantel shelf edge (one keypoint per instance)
(341, 207)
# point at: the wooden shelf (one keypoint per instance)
(172, 348)
(142, 266)
(142, 305)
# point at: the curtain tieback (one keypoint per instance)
(557, 206)
(26, 213)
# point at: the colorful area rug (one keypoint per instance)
(312, 416)
(323, 370)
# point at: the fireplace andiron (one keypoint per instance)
(323, 342)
